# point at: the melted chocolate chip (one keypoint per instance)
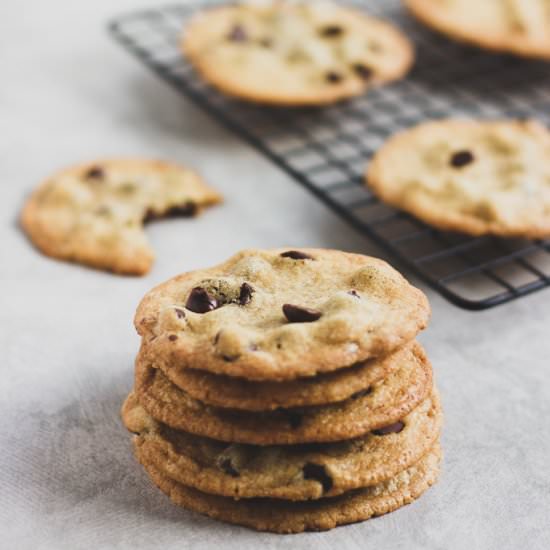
(318, 473)
(245, 294)
(150, 215)
(362, 71)
(296, 314)
(333, 77)
(354, 293)
(185, 210)
(230, 358)
(294, 419)
(200, 301)
(173, 337)
(95, 173)
(180, 314)
(391, 429)
(237, 34)
(331, 31)
(227, 466)
(296, 255)
(461, 158)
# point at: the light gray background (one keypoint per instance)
(67, 477)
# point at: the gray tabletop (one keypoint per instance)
(67, 476)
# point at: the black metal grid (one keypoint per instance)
(327, 149)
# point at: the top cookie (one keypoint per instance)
(281, 314)
(521, 27)
(295, 53)
(94, 213)
(469, 176)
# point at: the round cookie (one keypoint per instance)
(288, 53)
(521, 27)
(281, 516)
(94, 213)
(281, 314)
(385, 403)
(474, 177)
(289, 472)
(238, 393)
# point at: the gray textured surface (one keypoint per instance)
(67, 476)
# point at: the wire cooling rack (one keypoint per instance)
(326, 150)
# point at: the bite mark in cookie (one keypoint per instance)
(94, 213)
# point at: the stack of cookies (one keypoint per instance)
(283, 390)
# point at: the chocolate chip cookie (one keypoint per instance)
(385, 403)
(280, 516)
(281, 314)
(94, 213)
(240, 393)
(476, 177)
(295, 53)
(288, 472)
(520, 27)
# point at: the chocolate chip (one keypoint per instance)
(461, 158)
(354, 293)
(333, 77)
(150, 215)
(237, 34)
(227, 466)
(245, 294)
(95, 173)
(296, 255)
(185, 210)
(173, 337)
(200, 301)
(362, 71)
(391, 429)
(230, 358)
(294, 419)
(296, 314)
(331, 31)
(318, 473)
(180, 314)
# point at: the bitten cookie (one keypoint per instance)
(294, 53)
(293, 473)
(94, 213)
(281, 314)
(521, 27)
(281, 516)
(474, 177)
(385, 403)
(238, 393)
